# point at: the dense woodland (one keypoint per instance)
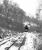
(12, 18)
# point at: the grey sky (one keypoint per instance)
(29, 6)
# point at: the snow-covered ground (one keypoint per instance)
(29, 43)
